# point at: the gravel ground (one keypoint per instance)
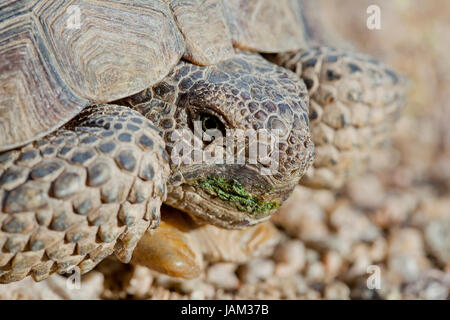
(394, 221)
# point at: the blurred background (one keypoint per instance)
(386, 235)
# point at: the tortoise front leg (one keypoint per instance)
(80, 194)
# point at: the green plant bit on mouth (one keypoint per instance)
(232, 190)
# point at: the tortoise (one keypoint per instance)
(91, 115)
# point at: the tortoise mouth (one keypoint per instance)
(234, 192)
(228, 196)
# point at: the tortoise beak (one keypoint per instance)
(230, 196)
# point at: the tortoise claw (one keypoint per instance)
(182, 248)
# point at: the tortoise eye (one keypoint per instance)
(210, 122)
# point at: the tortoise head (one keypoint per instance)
(237, 134)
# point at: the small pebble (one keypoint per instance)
(337, 291)
(223, 276)
(290, 257)
(437, 239)
(257, 270)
